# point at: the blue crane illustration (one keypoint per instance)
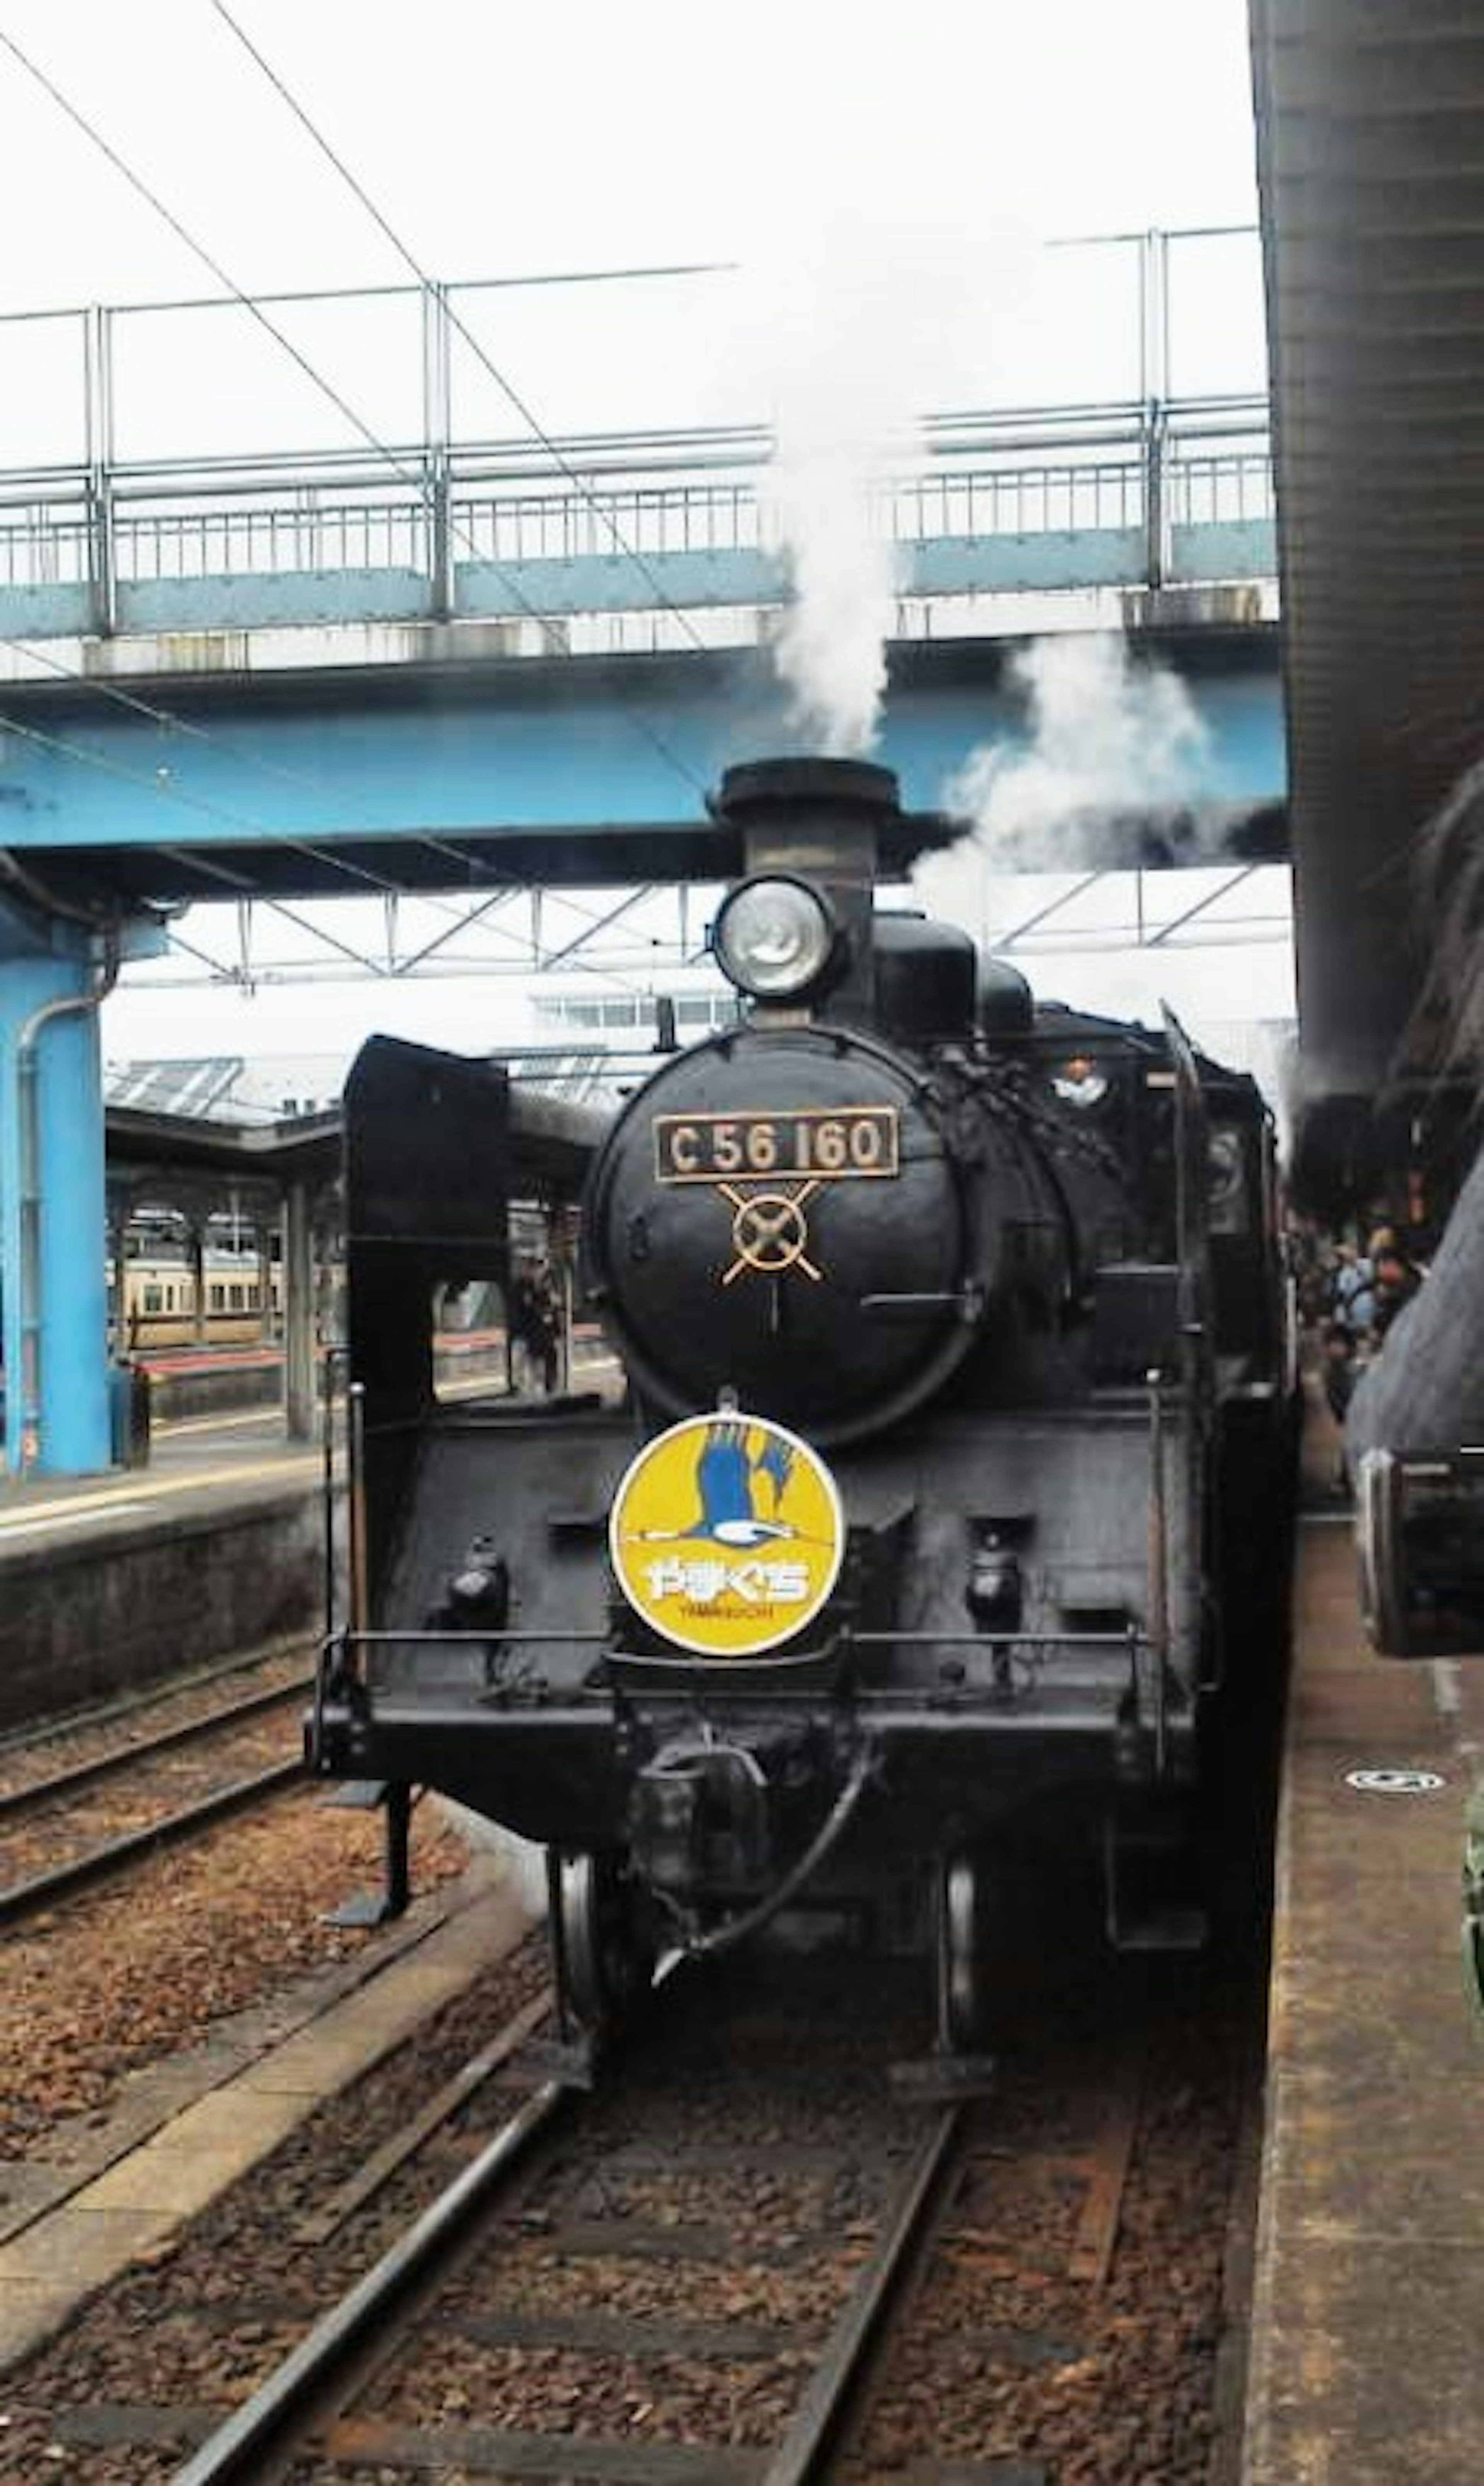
(729, 1485)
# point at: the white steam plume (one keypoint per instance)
(835, 326)
(1108, 737)
(838, 399)
(870, 288)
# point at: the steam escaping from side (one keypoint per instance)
(1106, 735)
(1107, 739)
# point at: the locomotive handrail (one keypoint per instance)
(515, 1639)
(1000, 1638)
(461, 1639)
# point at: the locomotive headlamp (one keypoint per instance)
(774, 938)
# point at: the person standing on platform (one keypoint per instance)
(1397, 1281)
(534, 1325)
(1352, 1293)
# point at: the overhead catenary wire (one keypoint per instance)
(175, 724)
(239, 882)
(255, 308)
(501, 378)
(513, 396)
(167, 718)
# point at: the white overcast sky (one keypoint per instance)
(928, 146)
(501, 139)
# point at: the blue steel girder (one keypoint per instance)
(579, 770)
(1202, 553)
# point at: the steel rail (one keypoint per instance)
(19, 1801)
(100, 1863)
(294, 2388)
(816, 2421)
(266, 2426)
(37, 1732)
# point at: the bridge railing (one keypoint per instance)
(1053, 499)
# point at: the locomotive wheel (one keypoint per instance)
(958, 1911)
(607, 1957)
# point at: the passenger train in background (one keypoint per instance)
(939, 1530)
(162, 1305)
(158, 1306)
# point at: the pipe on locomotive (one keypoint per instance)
(831, 1831)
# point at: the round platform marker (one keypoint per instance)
(1395, 1781)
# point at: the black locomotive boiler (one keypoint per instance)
(980, 1298)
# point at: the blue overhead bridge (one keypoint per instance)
(577, 771)
(582, 771)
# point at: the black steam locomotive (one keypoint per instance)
(954, 1353)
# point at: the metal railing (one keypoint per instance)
(1057, 498)
(172, 507)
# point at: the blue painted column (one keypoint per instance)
(53, 1303)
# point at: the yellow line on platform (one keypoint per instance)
(178, 1424)
(139, 1489)
(72, 1518)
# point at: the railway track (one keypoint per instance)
(736, 2264)
(393, 2319)
(92, 1819)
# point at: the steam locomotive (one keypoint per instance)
(955, 1355)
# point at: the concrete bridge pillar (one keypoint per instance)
(54, 972)
(298, 1313)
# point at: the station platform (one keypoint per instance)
(208, 1461)
(1368, 2298)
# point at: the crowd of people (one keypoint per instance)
(1349, 1296)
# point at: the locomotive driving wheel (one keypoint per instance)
(959, 1914)
(605, 1952)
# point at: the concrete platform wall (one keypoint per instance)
(82, 1622)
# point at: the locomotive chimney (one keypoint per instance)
(824, 820)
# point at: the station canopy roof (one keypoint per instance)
(1370, 123)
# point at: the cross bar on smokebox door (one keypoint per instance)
(797, 1259)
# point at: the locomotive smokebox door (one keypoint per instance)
(757, 1211)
